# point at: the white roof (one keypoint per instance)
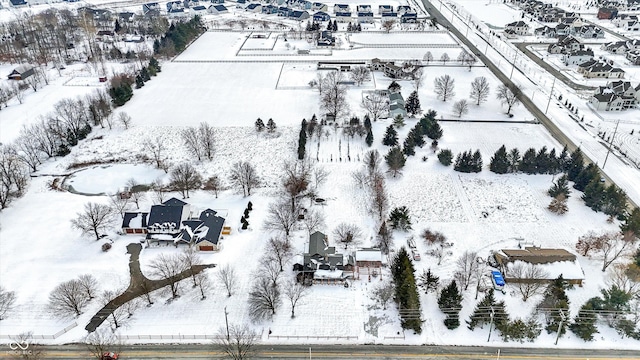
(328, 274)
(369, 255)
(570, 270)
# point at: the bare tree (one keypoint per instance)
(529, 278)
(146, 291)
(119, 204)
(609, 245)
(295, 180)
(206, 139)
(237, 341)
(119, 315)
(26, 149)
(131, 306)
(428, 57)
(124, 119)
(347, 234)
(384, 239)
(214, 185)
(135, 191)
(313, 220)
(167, 266)
(89, 285)
(460, 107)
(158, 191)
(190, 138)
(375, 104)
(280, 250)
(94, 219)
(418, 78)
(467, 265)
(264, 299)
(185, 177)
(379, 199)
(5, 95)
(227, 276)
(203, 283)
(384, 292)
(360, 74)
(444, 87)
(281, 217)
(440, 252)
(13, 176)
(466, 59)
(479, 90)
(102, 341)
(68, 299)
(244, 175)
(387, 25)
(7, 302)
(190, 258)
(333, 99)
(157, 149)
(294, 291)
(625, 277)
(508, 97)
(444, 58)
(42, 134)
(320, 176)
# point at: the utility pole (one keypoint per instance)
(610, 144)
(226, 321)
(550, 94)
(513, 65)
(562, 319)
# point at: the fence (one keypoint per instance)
(41, 337)
(170, 337)
(312, 337)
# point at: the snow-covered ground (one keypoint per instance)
(39, 248)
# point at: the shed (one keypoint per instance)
(22, 72)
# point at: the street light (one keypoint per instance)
(550, 94)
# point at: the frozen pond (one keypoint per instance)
(108, 179)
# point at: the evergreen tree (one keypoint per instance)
(482, 313)
(584, 324)
(153, 63)
(390, 136)
(543, 162)
(561, 186)
(417, 135)
(631, 223)
(528, 162)
(406, 293)
(615, 201)
(271, 126)
(369, 138)
(463, 162)
(367, 122)
(594, 195)
(428, 281)
(450, 302)
(394, 87)
(554, 164)
(117, 27)
(521, 330)
(514, 160)
(434, 131)
(302, 142)
(400, 218)
(476, 161)
(500, 161)
(575, 165)
(409, 146)
(412, 104)
(144, 73)
(445, 157)
(349, 28)
(564, 160)
(588, 174)
(139, 81)
(121, 94)
(395, 160)
(259, 125)
(555, 305)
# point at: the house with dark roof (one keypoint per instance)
(152, 8)
(18, 3)
(299, 15)
(564, 45)
(326, 39)
(21, 72)
(341, 8)
(577, 57)
(343, 16)
(599, 69)
(384, 9)
(269, 9)
(409, 18)
(616, 96)
(589, 32)
(365, 16)
(633, 56)
(402, 9)
(552, 262)
(607, 13)
(135, 222)
(617, 47)
(166, 218)
(318, 6)
(545, 31)
(518, 27)
(217, 9)
(322, 263)
(321, 16)
(203, 232)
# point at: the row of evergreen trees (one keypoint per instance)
(542, 161)
(468, 162)
(406, 291)
(121, 90)
(427, 126)
(178, 36)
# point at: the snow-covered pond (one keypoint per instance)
(108, 179)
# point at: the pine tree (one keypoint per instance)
(463, 162)
(615, 201)
(588, 174)
(514, 160)
(445, 157)
(528, 162)
(139, 81)
(481, 314)
(412, 104)
(117, 27)
(302, 143)
(561, 186)
(428, 281)
(631, 223)
(555, 305)
(434, 131)
(390, 136)
(500, 162)
(564, 160)
(594, 195)
(259, 125)
(395, 160)
(575, 165)
(400, 218)
(450, 302)
(271, 126)
(349, 28)
(394, 87)
(367, 122)
(144, 74)
(153, 63)
(476, 161)
(409, 146)
(584, 324)
(543, 163)
(369, 138)
(417, 135)
(554, 163)
(406, 293)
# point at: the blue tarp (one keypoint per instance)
(498, 280)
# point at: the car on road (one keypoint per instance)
(109, 356)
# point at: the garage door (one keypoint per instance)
(206, 248)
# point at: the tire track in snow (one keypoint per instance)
(464, 198)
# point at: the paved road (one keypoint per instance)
(525, 100)
(339, 352)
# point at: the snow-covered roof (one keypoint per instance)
(328, 274)
(570, 270)
(369, 255)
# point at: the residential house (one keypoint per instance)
(339, 8)
(321, 16)
(135, 222)
(175, 6)
(633, 56)
(617, 47)
(401, 9)
(203, 232)
(565, 44)
(343, 17)
(607, 13)
(553, 262)
(606, 102)
(622, 20)
(384, 9)
(150, 9)
(577, 57)
(563, 29)
(321, 262)
(18, 3)
(389, 15)
(299, 15)
(242, 4)
(166, 218)
(409, 18)
(126, 17)
(218, 9)
(365, 17)
(590, 32)
(198, 9)
(318, 6)
(284, 11)
(21, 72)
(363, 8)
(633, 44)
(545, 31)
(633, 25)
(255, 8)
(396, 105)
(269, 9)
(615, 96)
(326, 39)
(518, 27)
(599, 69)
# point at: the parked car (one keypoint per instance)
(411, 243)
(416, 255)
(109, 356)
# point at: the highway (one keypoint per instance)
(337, 352)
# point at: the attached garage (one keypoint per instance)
(205, 248)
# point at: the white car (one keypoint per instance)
(416, 255)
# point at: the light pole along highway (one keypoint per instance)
(525, 100)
